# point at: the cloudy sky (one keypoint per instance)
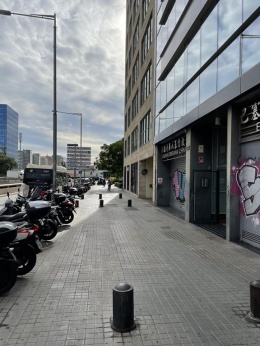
(90, 71)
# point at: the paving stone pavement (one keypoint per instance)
(190, 286)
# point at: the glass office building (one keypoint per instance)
(207, 110)
(8, 131)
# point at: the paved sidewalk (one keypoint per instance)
(191, 287)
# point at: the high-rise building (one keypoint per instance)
(207, 116)
(78, 158)
(139, 97)
(27, 157)
(36, 158)
(8, 131)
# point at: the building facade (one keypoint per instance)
(78, 158)
(207, 129)
(139, 97)
(36, 158)
(8, 131)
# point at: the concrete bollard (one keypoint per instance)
(76, 203)
(120, 195)
(255, 299)
(123, 308)
(101, 203)
(129, 203)
(100, 196)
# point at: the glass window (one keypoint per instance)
(145, 129)
(208, 82)
(228, 65)
(134, 138)
(250, 46)
(192, 95)
(179, 74)
(249, 6)
(193, 56)
(229, 19)
(146, 84)
(208, 41)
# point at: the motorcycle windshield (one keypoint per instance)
(35, 194)
(24, 190)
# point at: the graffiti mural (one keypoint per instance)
(178, 182)
(246, 184)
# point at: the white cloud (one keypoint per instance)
(90, 71)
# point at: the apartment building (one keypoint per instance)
(207, 128)
(139, 97)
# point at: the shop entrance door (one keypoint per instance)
(206, 197)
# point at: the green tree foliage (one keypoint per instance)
(6, 163)
(111, 158)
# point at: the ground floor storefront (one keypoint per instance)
(208, 173)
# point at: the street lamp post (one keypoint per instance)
(80, 149)
(48, 17)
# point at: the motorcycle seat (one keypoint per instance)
(13, 217)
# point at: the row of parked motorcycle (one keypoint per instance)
(24, 224)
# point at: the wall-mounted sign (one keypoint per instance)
(201, 159)
(201, 148)
(173, 149)
(250, 120)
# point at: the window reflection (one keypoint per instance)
(250, 46)
(229, 19)
(241, 54)
(228, 65)
(208, 82)
(209, 37)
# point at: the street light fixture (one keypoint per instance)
(48, 17)
(80, 149)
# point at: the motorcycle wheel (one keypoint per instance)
(8, 275)
(49, 230)
(66, 216)
(26, 258)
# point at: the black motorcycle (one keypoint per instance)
(35, 212)
(8, 263)
(25, 247)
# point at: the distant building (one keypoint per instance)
(46, 160)
(9, 131)
(27, 157)
(36, 158)
(78, 158)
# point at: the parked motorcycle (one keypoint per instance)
(8, 263)
(63, 207)
(25, 247)
(35, 212)
(8, 207)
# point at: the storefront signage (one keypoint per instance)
(250, 120)
(175, 148)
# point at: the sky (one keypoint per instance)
(90, 71)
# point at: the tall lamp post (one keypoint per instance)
(80, 149)
(48, 17)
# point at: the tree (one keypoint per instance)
(6, 163)
(111, 158)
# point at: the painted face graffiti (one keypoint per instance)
(178, 182)
(248, 181)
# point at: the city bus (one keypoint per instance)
(42, 176)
